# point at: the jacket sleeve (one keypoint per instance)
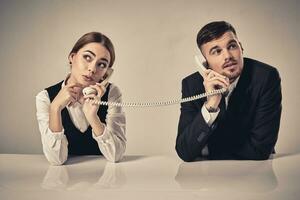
(193, 131)
(264, 132)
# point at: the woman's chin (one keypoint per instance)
(87, 83)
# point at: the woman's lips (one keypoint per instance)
(88, 78)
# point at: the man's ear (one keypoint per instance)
(241, 47)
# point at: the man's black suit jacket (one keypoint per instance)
(248, 129)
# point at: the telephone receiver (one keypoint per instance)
(106, 77)
(90, 90)
(203, 66)
(202, 63)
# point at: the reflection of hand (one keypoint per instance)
(99, 174)
(112, 177)
(213, 81)
(56, 178)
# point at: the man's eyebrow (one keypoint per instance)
(232, 41)
(213, 48)
(90, 52)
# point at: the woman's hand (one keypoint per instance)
(91, 103)
(91, 107)
(68, 95)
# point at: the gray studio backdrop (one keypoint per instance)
(155, 45)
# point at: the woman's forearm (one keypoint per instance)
(97, 126)
(55, 123)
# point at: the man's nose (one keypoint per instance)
(227, 55)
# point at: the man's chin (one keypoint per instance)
(232, 75)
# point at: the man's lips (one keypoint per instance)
(229, 64)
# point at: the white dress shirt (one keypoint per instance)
(211, 117)
(112, 142)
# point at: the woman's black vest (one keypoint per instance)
(79, 143)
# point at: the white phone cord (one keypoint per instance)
(165, 103)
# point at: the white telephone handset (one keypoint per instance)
(89, 90)
(202, 64)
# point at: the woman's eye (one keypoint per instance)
(87, 58)
(102, 65)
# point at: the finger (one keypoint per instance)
(74, 92)
(72, 85)
(103, 84)
(100, 89)
(74, 95)
(224, 79)
(217, 83)
(210, 75)
(214, 73)
(72, 101)
(219, 79)
(89, 96)
(204, 72)
(87, 100)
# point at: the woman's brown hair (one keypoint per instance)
(98, 38)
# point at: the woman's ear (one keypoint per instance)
(71, 58)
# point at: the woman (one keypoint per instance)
(73, 124)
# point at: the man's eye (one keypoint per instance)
(216, 52)
(87, 58)
(232, 46)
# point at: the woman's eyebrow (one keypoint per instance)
(90, 52)
(104, 59)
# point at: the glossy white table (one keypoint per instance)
(148, 177)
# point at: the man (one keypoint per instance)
(242, 123)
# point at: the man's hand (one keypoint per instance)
(213, 81)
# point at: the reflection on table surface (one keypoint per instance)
(247, 176)
(68, 177)
(148, 177)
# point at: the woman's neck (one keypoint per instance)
(70, 80)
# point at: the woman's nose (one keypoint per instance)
(92, 68)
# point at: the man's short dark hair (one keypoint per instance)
(213, 30)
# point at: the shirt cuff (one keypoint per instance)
(209, 117)
(102, 138)
(54, 138)
(56, 135)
